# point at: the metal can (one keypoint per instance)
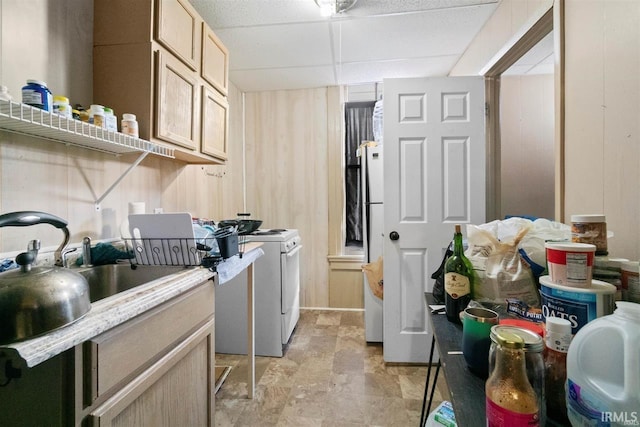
(36, 94)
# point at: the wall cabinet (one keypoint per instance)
(165, 65)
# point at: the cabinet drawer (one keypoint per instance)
(125, 350)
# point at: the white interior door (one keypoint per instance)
(434, 143)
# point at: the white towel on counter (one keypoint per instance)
(231, 267)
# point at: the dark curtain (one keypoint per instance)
(358, 128)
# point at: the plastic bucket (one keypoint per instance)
(578, 305)
(570, 264)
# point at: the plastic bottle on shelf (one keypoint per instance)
(129, 125)
(4, 94)
(61, 106)
(111, 121)
(36, 94)
(96, 115)
(603, 370)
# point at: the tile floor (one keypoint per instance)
(329, 376)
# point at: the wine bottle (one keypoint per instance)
(458, 279)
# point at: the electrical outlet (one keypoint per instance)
(158, 210)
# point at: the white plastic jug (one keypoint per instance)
(603, 370)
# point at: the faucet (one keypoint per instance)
(86, 252)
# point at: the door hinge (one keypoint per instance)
(486, 109)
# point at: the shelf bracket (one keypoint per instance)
(110, 189)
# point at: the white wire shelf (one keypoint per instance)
(27, 120)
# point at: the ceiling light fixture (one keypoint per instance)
(333, 7)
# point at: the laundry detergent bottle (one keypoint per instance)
(603, 370)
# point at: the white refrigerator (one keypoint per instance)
(372, 186)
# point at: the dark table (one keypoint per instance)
(466, 390)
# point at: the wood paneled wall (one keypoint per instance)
(602, 117)
(527, 146)
(602, 105)
(287, 135)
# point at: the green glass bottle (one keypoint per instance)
(458, 280)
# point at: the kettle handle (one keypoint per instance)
(25, 218)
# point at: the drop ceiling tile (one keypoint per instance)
(354, 73)
(283, 78)
(431, 33)
(243, 13)
(273, 46)
(278, 46)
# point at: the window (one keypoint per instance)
(358, 118)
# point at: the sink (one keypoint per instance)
(107, 280)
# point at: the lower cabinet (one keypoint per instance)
(155, 370)
(175, 391)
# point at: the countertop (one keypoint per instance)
(104, 315)
(110, 312)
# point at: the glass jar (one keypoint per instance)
(510, 398)
(534, 359)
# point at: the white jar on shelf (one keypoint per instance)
(96, 115)
(129, 125)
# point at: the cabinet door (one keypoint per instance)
(177, 30)
(215, 60)
(214, 123)
(175, 391)
(177, 102)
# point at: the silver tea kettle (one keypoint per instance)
(36, 300)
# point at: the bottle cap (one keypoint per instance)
(588, 218)
(128, 116)
(60, 98)
(505, 337)
(556, 325)
(37, 82)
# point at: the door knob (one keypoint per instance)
(394, 235)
